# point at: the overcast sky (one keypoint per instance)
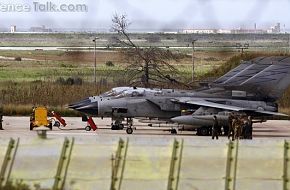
(153, 14)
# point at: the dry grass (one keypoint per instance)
(284, 110)
(47, 93)
(76, 58)
(26, 110)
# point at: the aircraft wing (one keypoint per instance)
(270, 113)
(206, 103)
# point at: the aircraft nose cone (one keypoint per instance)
(91, 108)
(176, 119)
(182, 119)
(80, 103)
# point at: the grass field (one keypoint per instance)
(50, 65)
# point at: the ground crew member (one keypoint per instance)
(238, 127)
(243, 125)
(248, 128)
(1, 118)
(230, 124)
(215, 128)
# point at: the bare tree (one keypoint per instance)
(147, 66)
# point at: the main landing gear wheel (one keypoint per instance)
(121, 126)
(129, 130)
(203, 131)
(173, 131)
(88, 128)
(117, 127)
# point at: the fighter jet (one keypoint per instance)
(252, 88)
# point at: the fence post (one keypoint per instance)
(175, 165)
(118, 165)
(231, 167)
(285, 166)
(8, 161)
(63, 164)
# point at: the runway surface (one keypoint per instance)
(19, 127)
(146, 158)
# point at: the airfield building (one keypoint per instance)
(13, 29)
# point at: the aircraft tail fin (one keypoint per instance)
(267, 77)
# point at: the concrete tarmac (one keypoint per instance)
(259, 163)
(19, 127)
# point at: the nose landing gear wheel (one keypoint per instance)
(88, 128)
(129, 130)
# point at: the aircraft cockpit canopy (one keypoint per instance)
(120, 92)
(115, 92)
(131, 93)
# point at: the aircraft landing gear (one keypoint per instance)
(117, 126)
(88, 128)
(203, 131)
(129, 130)
(173, 131)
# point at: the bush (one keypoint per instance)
(67, 65)
(110, 64)
(78, 81)
(17, 58)
(60, 80)
(69, 81)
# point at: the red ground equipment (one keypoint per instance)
(91, 124)
(59, 118)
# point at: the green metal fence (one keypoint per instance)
(145, 163)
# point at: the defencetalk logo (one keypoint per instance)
(48, 6)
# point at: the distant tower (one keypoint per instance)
(13, 29)
(278, 28)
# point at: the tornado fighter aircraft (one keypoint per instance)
(252, 88)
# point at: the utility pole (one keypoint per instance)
(95, 65)
(289, 43)
(242, 47)
(192, 79)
